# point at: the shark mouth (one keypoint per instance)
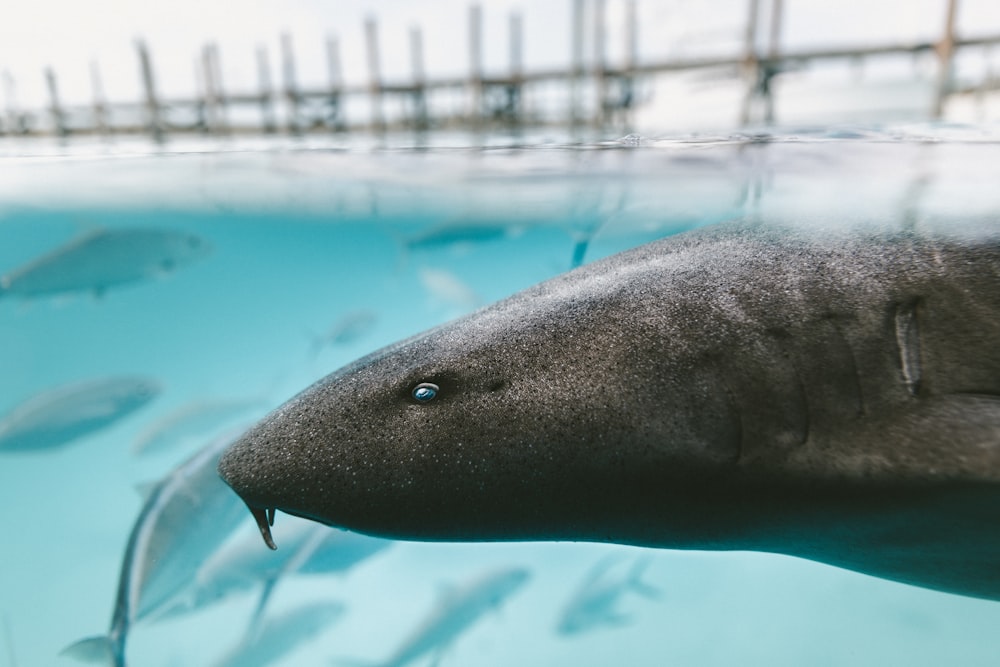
(264, 516)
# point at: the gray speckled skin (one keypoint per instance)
(831, 395)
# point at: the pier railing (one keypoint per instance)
(599, 93)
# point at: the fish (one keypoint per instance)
(185, 519)
(825, 392)
(56, 417)
(350, 328)
(281, 635)
(458, 235)
(190, 421)
(102, 259)
(595, 602)
(454, 614)
(447, 288)
(308, 548)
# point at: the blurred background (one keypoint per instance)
(578, 68)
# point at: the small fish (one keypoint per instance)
(101, 259)
(456, 612)
(351, 327)
(59, 416)
(595, 602)
(185, 519)
(448, 288)
(444, 236)
(279, 636)
(307, 548)
(191, 420)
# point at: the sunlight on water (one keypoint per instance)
(310, 258)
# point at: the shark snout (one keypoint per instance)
(240, 469)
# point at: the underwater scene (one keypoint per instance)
(154, 305)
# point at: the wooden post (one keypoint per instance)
(945, 52)
(516, 87)
(202, 122)
(335, 118)
(576, 62)
(626, 96)
(58, 115)
(154, 121)
(266, 91)
(213, 72)
(101, 124)
(600, 66)
(420, 119)
(475, 63)
(374, 73)
(751, 63)
(211, 98)
(777, 12)
(288, 79)
(771, 68)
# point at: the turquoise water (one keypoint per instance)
(363, 247)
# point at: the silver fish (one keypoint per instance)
(349, 328)
(184, 520)
(455, 613)
(102, 259)
(279, 636)
(307, 549)
(444, 236)
(448, 289)
(191, 420)
(595, 602)
(59, 416)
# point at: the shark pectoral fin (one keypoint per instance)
(98, 650)
(924, 511)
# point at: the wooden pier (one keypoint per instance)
(599, 94)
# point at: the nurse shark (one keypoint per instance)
(831, 394)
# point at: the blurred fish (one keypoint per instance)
(102, 259)
(191, 420)
(308, 548)
(59, 416)
(448, 288)
(351, 327)
(456, 612)
(596, 600)
(459, 235)
(280, 636)
(185, 519)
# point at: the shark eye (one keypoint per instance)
(424, 392)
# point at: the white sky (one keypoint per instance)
(69, 34)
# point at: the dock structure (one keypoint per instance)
(597, 92)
